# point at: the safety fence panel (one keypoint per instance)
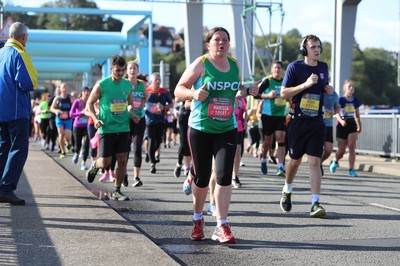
(380, 135)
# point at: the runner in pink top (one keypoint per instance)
(241, 120)
(80, 127)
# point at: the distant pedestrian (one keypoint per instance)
(45, 114)
(273, 111)
(253, 130)
(159, 100)
(184, 156)
(80, 127)
(18, 78)
(61, 106)
(139, 98)
(348, 127)
(241, 121)
(330, 108)
(52, 123)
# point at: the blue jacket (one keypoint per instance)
(17, 78)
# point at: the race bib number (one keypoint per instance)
(327, 115)
(220, 108)
(280, 102)
(154, 108)
(137, 103)
(118, 106)
(170, 119)
(63, 115)
(239, 104)
(83, 120)
(349, 109)
(47, 114)
(309, 104)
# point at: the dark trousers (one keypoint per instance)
(155, 134)
(137, 134)
(14, 145)
(79, 134)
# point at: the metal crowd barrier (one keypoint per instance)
(380, 134)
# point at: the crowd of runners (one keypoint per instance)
(213, 117)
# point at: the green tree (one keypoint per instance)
(290, 50)
(28, 20)
(177, 65)
(374, 74)
(71, 21)
(326, 55)
(291, 46)
(55, 21)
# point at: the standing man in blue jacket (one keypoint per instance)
(17, 78)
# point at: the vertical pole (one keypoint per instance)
(333, 54)
(253, 47)
(162, 73)
(398, 57)
(395, 135)
(193, 30)
(1, 14)
(150, 45)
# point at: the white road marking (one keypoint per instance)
(385, 207)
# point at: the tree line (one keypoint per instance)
(374, 70)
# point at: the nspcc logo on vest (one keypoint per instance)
(223, 85)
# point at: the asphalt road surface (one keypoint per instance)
(362, 226)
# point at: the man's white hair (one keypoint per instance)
(17, 30)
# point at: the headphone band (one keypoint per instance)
(303, 48)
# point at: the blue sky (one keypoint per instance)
(377, 22)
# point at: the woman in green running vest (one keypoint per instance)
(212, 82)
(139, 98)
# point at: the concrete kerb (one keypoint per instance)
(64, 224)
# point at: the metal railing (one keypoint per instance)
(379, 136)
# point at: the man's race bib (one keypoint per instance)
(327, 113)
(309, 104)
(154, 108)
(118, 106)
(220, 108)
(280, 101)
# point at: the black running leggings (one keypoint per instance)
(155, 134)
(203, 147)
(79, 134)
(137, 134)
(183, 149)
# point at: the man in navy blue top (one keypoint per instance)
(304, 85)
(158, 102)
